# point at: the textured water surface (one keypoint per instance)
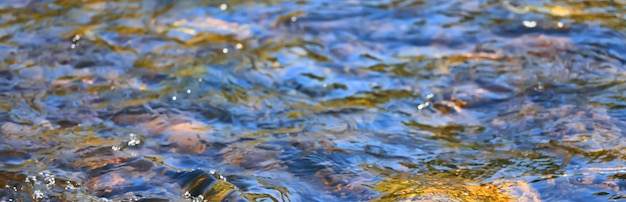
(321, 100)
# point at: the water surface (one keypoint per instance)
(321, 100)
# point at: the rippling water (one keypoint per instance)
(322, 100)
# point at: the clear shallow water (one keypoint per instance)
(312, 100)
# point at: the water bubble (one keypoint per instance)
(192, 198)
(134, 140)
(529, 24)
(31, 179)
(69, 186)
(75, 41)
(188, 91)
(174, 98)
(223, 178)
(539, 87)
(225, 50)
(294, 18)
(560, 25)
(48, 178)
(239, 46)
(430, 96)
(38, 194)
(223, 6)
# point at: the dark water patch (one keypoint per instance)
(14, 157)
(201, 183)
